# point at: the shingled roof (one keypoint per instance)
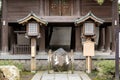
(32, 16)
(90, 15)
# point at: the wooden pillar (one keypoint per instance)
(10, 36)
(78, 45)
(42, 40)
(0, 35)
(107, 38)
(12, 39)
(101, 39)
(33, 54)
(115, 21)
(4, 27)
(115, 25)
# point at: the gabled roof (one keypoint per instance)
(90, 15)
(32, 16)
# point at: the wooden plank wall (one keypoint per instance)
(18, 9)
(104, 10)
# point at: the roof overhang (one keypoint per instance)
(91, 16)
(34, 17)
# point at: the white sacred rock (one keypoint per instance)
(10, 72)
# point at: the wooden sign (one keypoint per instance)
(88, 48)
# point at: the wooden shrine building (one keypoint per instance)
(60, 30)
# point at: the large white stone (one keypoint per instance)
(10, 72)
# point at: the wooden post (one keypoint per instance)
(72, 59)
(42, 40)
(89, 64)
(114, 12)
(115, 24)
(49, 60)
(33, 54)
(4, 27)
(107, 38)
(101, 39)
(77, 39)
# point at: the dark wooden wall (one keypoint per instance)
(103, 11)
(18, 9)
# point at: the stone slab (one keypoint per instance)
(61, 76)
(74, 77)
(37, 76)
(84, 76)
(46, 76)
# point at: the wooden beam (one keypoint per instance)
(58, 19)
(4, 27)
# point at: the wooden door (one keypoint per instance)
(60, 7)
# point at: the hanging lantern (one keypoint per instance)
(100, 2)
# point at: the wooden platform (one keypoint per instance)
(61, 76)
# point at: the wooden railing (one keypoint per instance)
(21, 49)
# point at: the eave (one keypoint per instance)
(32, 16)
(57, 19)
(90, 15)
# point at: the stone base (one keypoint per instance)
(4, 53)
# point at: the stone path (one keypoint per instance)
(59, 76)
